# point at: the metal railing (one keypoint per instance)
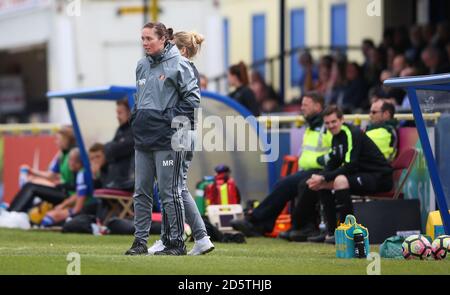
(299, 120)
(31, 128)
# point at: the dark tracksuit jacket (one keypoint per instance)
(245, 96)
(120, 156)
(166, 87)
(354, 152)
(357, 157)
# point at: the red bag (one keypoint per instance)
(222, 191)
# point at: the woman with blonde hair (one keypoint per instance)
(53, 185)
(189, 44)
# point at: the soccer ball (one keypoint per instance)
(440, 247)
(416, 247)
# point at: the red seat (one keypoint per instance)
(404, 162)
(113, 192)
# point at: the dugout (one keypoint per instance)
(92, 112)
(429, 94)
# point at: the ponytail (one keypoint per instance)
(240, 71)
(190, 40)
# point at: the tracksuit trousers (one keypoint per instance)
(165, 166)
(192, 214)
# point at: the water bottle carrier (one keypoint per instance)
(345, 246)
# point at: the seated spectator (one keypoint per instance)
(99, 166)
(384, 75)
(399, 64)
(355, 92)
(356, 166)
(401, 40)
(53, 185)
(270, 105)
(382, 128)
(433, 59)
(309, 73)
(120, 151)
(203, 82)
(316, 143)
(442, 35)
(408, 72)
(375, 66)
(80, 202)
(265, 95)
(417, 44)
(382, 91)
(238, 78)
(323, 85)
(366, 46)
(428, 32)
(382, 132)
(58, 172)
(258, 86)
(336, 88)
(101, 177)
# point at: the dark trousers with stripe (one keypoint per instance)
(166, 167)
(285, 190)
(192, 214)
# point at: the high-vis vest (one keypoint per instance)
(316, 143)
(384, 141)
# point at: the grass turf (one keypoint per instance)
(36, 252)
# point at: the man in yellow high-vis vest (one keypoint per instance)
(382, 128)
(316, 144)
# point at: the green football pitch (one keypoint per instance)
(36, 252)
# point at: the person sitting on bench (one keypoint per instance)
(356, 166)
(316, 144)
(80, 202)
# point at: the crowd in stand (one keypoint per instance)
(419, 50)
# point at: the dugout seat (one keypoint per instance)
(121, 202)
(404, 162)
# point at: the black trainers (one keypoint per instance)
(139, 247)
(175, 251)
(300, 235)
(330, 240)
(317, 239)
(246, 227)
(285, 235)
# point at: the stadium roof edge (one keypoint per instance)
(418, 81)
(104, 92)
